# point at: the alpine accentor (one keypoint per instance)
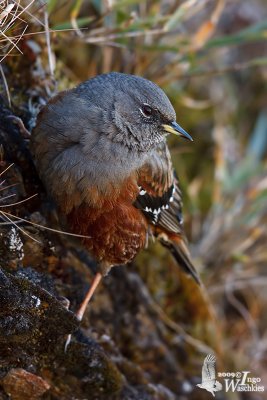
(100, 149)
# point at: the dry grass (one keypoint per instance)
(211, 59)
(12, 26)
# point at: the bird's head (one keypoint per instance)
(137, 112)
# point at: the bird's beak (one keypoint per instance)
(176, 129)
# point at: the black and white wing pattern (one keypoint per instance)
(159, 193)
(161, 202)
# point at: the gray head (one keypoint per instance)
(98, 133)
(136, 112)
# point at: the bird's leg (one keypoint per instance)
(81, 310)
(89, 294)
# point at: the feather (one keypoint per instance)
(161, 202)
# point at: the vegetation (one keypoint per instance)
(210, 58)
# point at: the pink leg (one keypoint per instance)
(80, 312)
(89, 294)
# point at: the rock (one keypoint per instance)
(22, 385)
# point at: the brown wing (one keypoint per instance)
(161, 202)
(159, 193)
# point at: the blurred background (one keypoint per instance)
(210, 57)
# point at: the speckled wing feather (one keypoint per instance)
(160, 196)
(160, 200)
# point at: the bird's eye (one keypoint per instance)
(146, 110)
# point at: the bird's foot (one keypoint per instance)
(67, 343)
(79, 313)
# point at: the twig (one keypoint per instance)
(23, 10)
(202, 347)
(48, 43)
(45, 227)
(4, 14)
(229, 291)
(14, 44)
(18, 121)
(7, 197)
(114, 36)
(50, 31)
(18, 227)
(18, 202)
(7, 187)
(7, 168)
(5, 86)
(33, 16)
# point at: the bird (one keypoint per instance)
(100, 150)
(209, 376)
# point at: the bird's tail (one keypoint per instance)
(177, 246)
